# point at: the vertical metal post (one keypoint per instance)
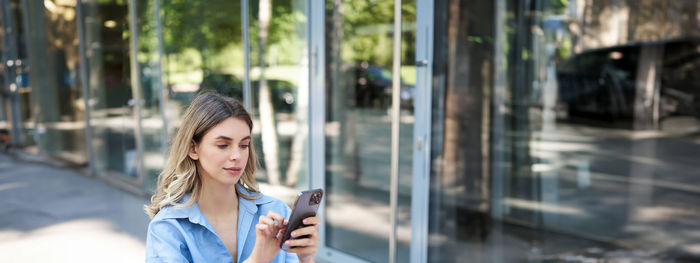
(246, 55)
(498, 97)
(3, 113)
(11, 80)
(422, 131)
(85, 83)
(317, 108)
(159, 79)
(136, 89)
(395, 113)
(31, 8)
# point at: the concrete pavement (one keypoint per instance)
(50, 214)
(53, 213)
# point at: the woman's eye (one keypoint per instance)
(244, 146)
(222, 146)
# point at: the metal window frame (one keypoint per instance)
(395, 114)
(317, 116)
(136, 91)
(421, 154)
(84, 85)
(420, 193)
(245, 23)
(497, 128)
(163, 90)
(11, 54)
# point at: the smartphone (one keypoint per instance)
(306, 205)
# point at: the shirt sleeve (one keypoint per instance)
(165, 243)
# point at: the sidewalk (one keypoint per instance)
(50, 214)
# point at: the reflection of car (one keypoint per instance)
(282, 91)
(407, 94)
(602, 84)
(226, 84)
(373, 88)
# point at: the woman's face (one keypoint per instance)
(223, 151)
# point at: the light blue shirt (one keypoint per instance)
(185, 235)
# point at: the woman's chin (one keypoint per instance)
(230, 180)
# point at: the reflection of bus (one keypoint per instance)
(601, 84)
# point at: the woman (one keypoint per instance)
(207, 199)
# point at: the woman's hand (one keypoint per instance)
(305, 247)
(267, 238)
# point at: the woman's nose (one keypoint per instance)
(236, 154)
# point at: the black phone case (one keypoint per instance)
(303, 208)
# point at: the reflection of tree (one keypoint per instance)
(613, 22)
(200, 37)
(61, 34)
(267, 113)
(370, 25)
(657, 19)
(460, 189)
(206, 26)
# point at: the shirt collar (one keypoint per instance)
(194, 214)
(251, 205)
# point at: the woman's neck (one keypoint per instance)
(217, 199)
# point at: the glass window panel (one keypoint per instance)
(565, 129)
(280, 94)
(152, 124)
(5, 110)
(112, 114)
(459, 193)
(12, 50)
(18, 107)
(203, 51)
(59, 129)
(359, 39)
(25, 113)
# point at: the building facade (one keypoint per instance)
(446, 131)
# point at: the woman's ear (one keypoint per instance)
(193, 151)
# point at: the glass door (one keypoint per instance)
(359, 76)
(556, 135)
(113, 103)
(56, 90)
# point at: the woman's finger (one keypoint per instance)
(301, 250)
(268, 223)
(275, 216)
(261, 229)
(309, 230)
(266, 220)
(302, 242)
(313, 220)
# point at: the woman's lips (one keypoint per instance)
(234, 170)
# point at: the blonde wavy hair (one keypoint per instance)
(180, 176)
